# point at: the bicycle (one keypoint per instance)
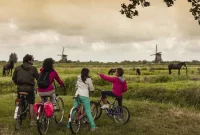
(77, 116)
(120, 114)
(22, 107)
(43, 121)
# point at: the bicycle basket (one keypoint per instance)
(48, 109)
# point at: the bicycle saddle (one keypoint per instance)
(23, 93)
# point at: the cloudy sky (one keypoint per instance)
(95, 30)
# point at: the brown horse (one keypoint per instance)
(8, 67)
(111, 71)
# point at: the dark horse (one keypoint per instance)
(138, 71)
(8, 67)
(111, 71)
(176, 66)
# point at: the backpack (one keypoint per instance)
(44, 80)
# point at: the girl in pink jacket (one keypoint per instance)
(50, 90)
(119, 87)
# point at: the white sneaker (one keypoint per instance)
(105, 106)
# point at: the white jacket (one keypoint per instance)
(82, 88)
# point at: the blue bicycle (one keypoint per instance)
(120, 114)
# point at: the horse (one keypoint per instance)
(138, 72)
(177, 66)
(111, 71)
(8, 67)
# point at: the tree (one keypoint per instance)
(13, 57)
(130, 10)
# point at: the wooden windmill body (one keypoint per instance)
(158, 56)
(63, 56)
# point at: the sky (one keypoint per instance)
(95, 30)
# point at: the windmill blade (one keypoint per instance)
(152, 54)
(156, 49)
(63, 50)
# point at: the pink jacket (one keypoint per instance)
(119, 84)
(53, 75)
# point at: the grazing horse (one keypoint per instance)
(138, 71)
(111, 71)
(176, 66)
(8, 67)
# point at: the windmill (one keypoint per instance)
(63, 56)
(158, 57)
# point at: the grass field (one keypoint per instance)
(159, 103)
(146, 118)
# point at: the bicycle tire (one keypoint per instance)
(94, 109)
(99, 110)
(75, 123)
(59, 110)
(121, 115)
(42, 123)
(18, 120)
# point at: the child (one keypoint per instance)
(83, 86)
(119, 87)
(50, 90)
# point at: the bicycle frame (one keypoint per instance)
(81, 111)
(21, 101)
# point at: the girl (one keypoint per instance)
(83, 86)
(50, 90)
(119, 87)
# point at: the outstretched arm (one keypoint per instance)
(107, 78)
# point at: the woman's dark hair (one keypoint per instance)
(27, 58)
(120, 71)
(84, 74)
(48, 64)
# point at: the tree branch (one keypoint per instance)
(131, 11)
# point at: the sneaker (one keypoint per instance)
(105, 106)
(32, 123)
(94, 129)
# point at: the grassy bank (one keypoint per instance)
(146, 118)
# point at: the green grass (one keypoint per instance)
(146, 118)
(159, 103)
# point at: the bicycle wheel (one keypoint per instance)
(99, 110)
(94, 109)
(59, 112)
(121, 115)
(75, 123)
(42, 123)
(18, 119)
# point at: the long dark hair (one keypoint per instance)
(85, 74)
(48, 65)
